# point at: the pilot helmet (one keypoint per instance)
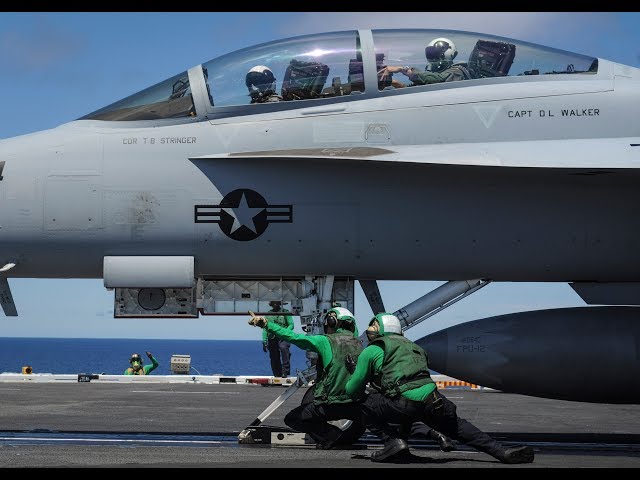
(383, 324)
(339, 317)
(440, 53)
(260, 82)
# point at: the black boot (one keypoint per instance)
(393, 448)
(523, 454)
(330, 439)
(445, 443)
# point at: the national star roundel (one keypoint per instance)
(243, 214)
(257, 206)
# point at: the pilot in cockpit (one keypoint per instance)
(261, 83)
(440, 53)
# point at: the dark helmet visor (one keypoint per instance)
(260, 80)
(436, 52)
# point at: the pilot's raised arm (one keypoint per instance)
(440, 53)
(385, 76)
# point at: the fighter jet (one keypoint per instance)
(292, 169)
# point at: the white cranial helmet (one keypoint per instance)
(388, 323)
(339, 317)
(440, 53)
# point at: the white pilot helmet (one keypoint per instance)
(260, 81)
(440, 53)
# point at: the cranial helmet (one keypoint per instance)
(135, 358)
(339, 317)
(260, 82)
(440, 53)
(387, 323)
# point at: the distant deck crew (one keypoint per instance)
(137, 367)
(279, 349)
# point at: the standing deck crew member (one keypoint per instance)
(279, 349)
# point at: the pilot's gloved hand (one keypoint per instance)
(257, 321)
(149, 355)
(350, 363)
(264, 347)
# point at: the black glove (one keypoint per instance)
(350, 363)
(264, 347)
(149, 355)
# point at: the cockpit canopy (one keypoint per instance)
(315, 67)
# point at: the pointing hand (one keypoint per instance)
(257, 321)
(149, 354)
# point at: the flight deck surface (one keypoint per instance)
(191, 424)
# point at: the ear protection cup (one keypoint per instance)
(331, 321)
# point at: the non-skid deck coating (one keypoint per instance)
(191, 424)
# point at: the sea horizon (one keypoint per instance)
(110, 356)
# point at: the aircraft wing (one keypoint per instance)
(609, 153)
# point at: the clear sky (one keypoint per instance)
(59, 66)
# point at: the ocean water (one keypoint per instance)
(111, 356)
